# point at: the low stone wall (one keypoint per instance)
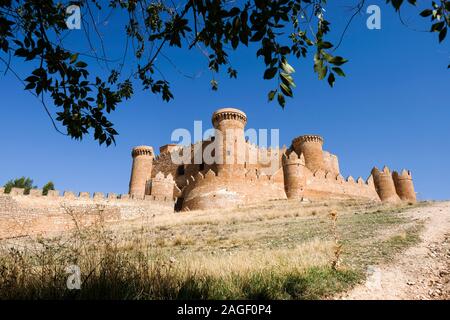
(35, 214)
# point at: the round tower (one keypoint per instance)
(384, 185)
(162, 187)
(294, 173)
(404, 185)
(230, 148)
(141, 170)
(311, 147)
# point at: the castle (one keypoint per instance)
(237, 173)
(254, 174)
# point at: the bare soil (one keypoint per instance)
(420, 272)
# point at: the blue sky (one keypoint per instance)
(392, 108)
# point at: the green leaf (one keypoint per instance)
(286, 90)
(73, 57)
(287, 67)
(270, 73)
(81, 64)
(426, 13)
(338, 61)
(214, 85)
(442, 34)
(325, 45)
(271, 94)
(281, 100)
(397, 4)
(323, 72)
(331, 79)
(30, 86)
(437, 26)
(287, 79)
(338, 71)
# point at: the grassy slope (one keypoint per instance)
(278, 250)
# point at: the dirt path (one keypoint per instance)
(421, 272)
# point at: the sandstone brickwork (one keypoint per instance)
(254, 174)
(384, 184)
(36, 214)
(404, 185)
(141, 170)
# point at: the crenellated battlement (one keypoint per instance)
(293, 159)
(83, 196)
(32, 214)
(308, 138)
(142, 151)
(228, 114)
(405, 174)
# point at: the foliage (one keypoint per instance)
(23, 182)
(281, 30)
(48, 186)
(27, 184)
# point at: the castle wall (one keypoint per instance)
(35, 214)
(330, 162)
(327, 185)
(211, 191)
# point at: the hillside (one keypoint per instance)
(274, 250)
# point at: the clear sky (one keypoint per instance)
(392, 108)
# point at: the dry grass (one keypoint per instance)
(275, 250)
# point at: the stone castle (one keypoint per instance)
(160, 186)
(302, 171)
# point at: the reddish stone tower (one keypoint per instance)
(311, 147)
(294, 173)
(404, 185)
(141, 171)
(230, 139)
(384, 184)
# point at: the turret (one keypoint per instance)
(384, 185)
(294, 172)
(141, 170)
(230, 139)
(404, 185)
(162, 187)
(311, 147)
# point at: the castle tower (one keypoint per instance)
(162, 187)
(384, 184)
(311, 147)
(141, 170)
(230, 147)
(404, 185)
(294, 172)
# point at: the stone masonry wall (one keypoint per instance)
(35, 214)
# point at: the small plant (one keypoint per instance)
(337, 245)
